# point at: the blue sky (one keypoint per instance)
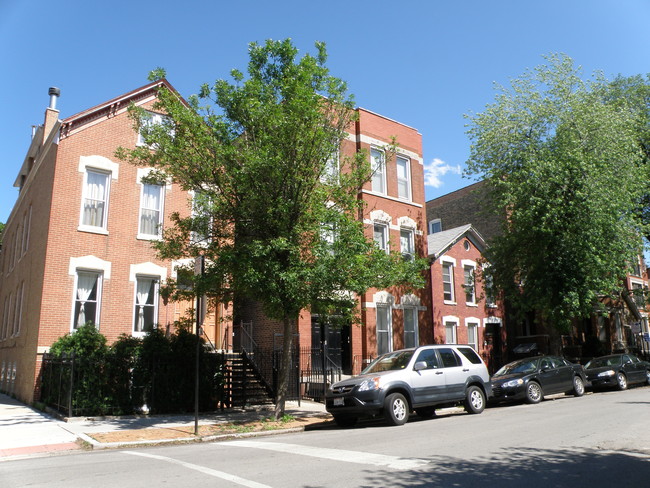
(424, 63)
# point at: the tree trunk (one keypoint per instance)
(285, 363)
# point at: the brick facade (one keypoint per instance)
(54, 246)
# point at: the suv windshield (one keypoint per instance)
(523, 366)
(390, 362)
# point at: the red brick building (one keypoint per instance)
(394, 217)
(464, 310)
(77, 244)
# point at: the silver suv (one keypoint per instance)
(420, 379)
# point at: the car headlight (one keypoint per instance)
(606, 374)
(513, 383)
(370, 384)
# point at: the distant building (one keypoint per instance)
(464, 309)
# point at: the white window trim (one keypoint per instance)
(156, 303)
(383, 172)
(475, 322)
(416, 323)
(409, 189)
(95, 229)
(388, 310)
(100, 286)
(451, 319)
(411, 239)
(386, 233)
(447, 260)
(434, 221)
(144, 173)
(470, 264)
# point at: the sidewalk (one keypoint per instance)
(25, 431)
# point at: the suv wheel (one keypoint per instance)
(474, 400)
(533, 392)
(396, 409)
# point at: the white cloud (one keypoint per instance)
(435, 170)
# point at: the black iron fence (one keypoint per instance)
(76, 386)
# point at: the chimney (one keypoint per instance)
(51, 113)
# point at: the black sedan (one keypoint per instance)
(531, 378)
(617, 370)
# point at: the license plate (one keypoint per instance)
(339, 402)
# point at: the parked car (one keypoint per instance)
(531, 379)
(420, 379)
(617, 370)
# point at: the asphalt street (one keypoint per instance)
(599, 440)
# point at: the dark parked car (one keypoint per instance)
(531, 379)
(420, 379)
(617, 370)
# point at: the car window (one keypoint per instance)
(558, 362)
(546, 363)
(634, 359)
(470, 354)
(389, 362)
(524, 366)
(429, 357)
(449, 358)
(627, 359)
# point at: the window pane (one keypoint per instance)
(377, 165)
(410, 327)
(95, 194)
(150, 212)
(383, 330)
(379, 235)
(406, 243)
(450, 333)
(447, 281)
(146, 301)
(403, 181)
(86, 299)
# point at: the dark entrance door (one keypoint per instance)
(330, 337)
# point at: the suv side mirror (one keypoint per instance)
(420, 365)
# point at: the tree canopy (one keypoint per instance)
(564, 164)
(276, 207)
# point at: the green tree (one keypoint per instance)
(2, 228)
(562, 158)
(273, 221)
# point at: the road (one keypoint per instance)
(599, 440)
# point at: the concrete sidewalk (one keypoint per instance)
(25, 431)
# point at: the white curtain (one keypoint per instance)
(95, 199)
(85, 284)
(142, 296)
(150, 218)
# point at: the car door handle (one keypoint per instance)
(465, 370)
(438, 372)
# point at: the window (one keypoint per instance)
(151, 205)
(380, 236)
(470, 296)
(428, 356)
(95, 199)
(403, 178)
(87, 299)
(488, 284)
(407, 244)
(202, 218)
(150, 120)
(449, 358)
(20, 291)
(410, 327)
(384, 329)
(450, 332)
(27, 221)
(331, 170)
(448, 281)
(435, 226)
(378, 165)
(472, 335)
(146, 304)
(328, 234)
